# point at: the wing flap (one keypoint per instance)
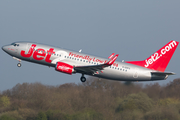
(88, 69)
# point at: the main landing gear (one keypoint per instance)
(83, 79)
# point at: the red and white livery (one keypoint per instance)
(69, 62)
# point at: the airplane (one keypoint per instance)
(70, 62)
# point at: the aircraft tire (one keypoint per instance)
(19, 64)
(83, 79)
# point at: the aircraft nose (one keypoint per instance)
(4, 48)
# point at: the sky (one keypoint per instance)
(134, 29)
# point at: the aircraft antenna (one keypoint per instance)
(80, 50)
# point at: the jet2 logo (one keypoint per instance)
(38, 55)
(160, 53)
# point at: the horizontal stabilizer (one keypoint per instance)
(163, 73)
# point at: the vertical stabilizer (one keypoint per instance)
(160, 59)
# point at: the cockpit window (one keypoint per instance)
(14, 44)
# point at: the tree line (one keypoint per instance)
(93, 100)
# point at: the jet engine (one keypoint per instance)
(65, 68)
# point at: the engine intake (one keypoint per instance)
(65, 68)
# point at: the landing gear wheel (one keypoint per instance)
(83, 79)
(19, 64)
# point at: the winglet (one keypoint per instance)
(110, 57)
(112, 60)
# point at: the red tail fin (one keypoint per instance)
(160, 59)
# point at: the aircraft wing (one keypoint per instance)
(92, 69)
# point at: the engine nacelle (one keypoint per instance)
(65, 68)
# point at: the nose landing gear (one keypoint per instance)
(19, 64)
